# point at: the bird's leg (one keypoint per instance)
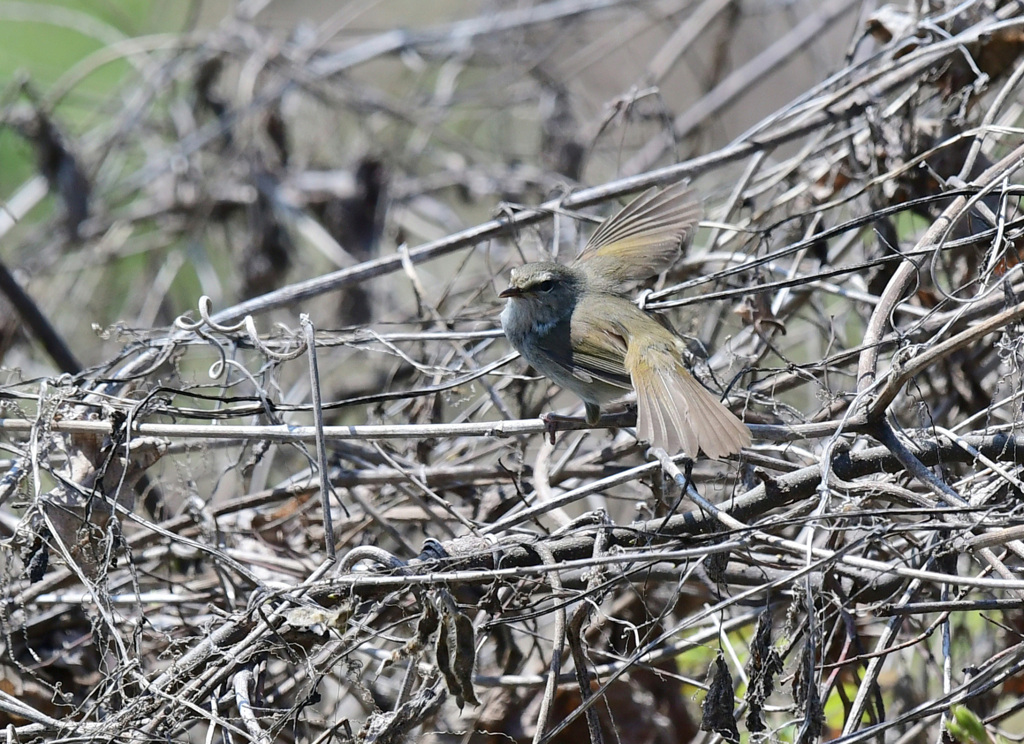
(593, 413)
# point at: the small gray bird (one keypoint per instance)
(575, 325)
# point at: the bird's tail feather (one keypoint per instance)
(676, 413)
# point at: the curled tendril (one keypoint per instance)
(371, 553)
(206, 324)
(643, 297)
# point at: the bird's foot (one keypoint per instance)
(552, 420)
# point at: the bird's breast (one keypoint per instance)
(529, 331)
(521, 325)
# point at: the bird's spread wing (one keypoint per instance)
(642, 240)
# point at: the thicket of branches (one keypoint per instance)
(271, 472)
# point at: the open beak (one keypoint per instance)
(510, 292)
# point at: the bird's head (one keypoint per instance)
(548, 289)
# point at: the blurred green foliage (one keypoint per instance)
(43, 42)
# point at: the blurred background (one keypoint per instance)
(187, 145)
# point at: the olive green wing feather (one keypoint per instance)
(592, 353)
(599, 353)
(643, 239)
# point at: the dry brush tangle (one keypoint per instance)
(271, 473)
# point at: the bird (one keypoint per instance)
(576, 325)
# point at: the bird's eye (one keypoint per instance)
(546, 286)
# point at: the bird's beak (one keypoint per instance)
(510, 292)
